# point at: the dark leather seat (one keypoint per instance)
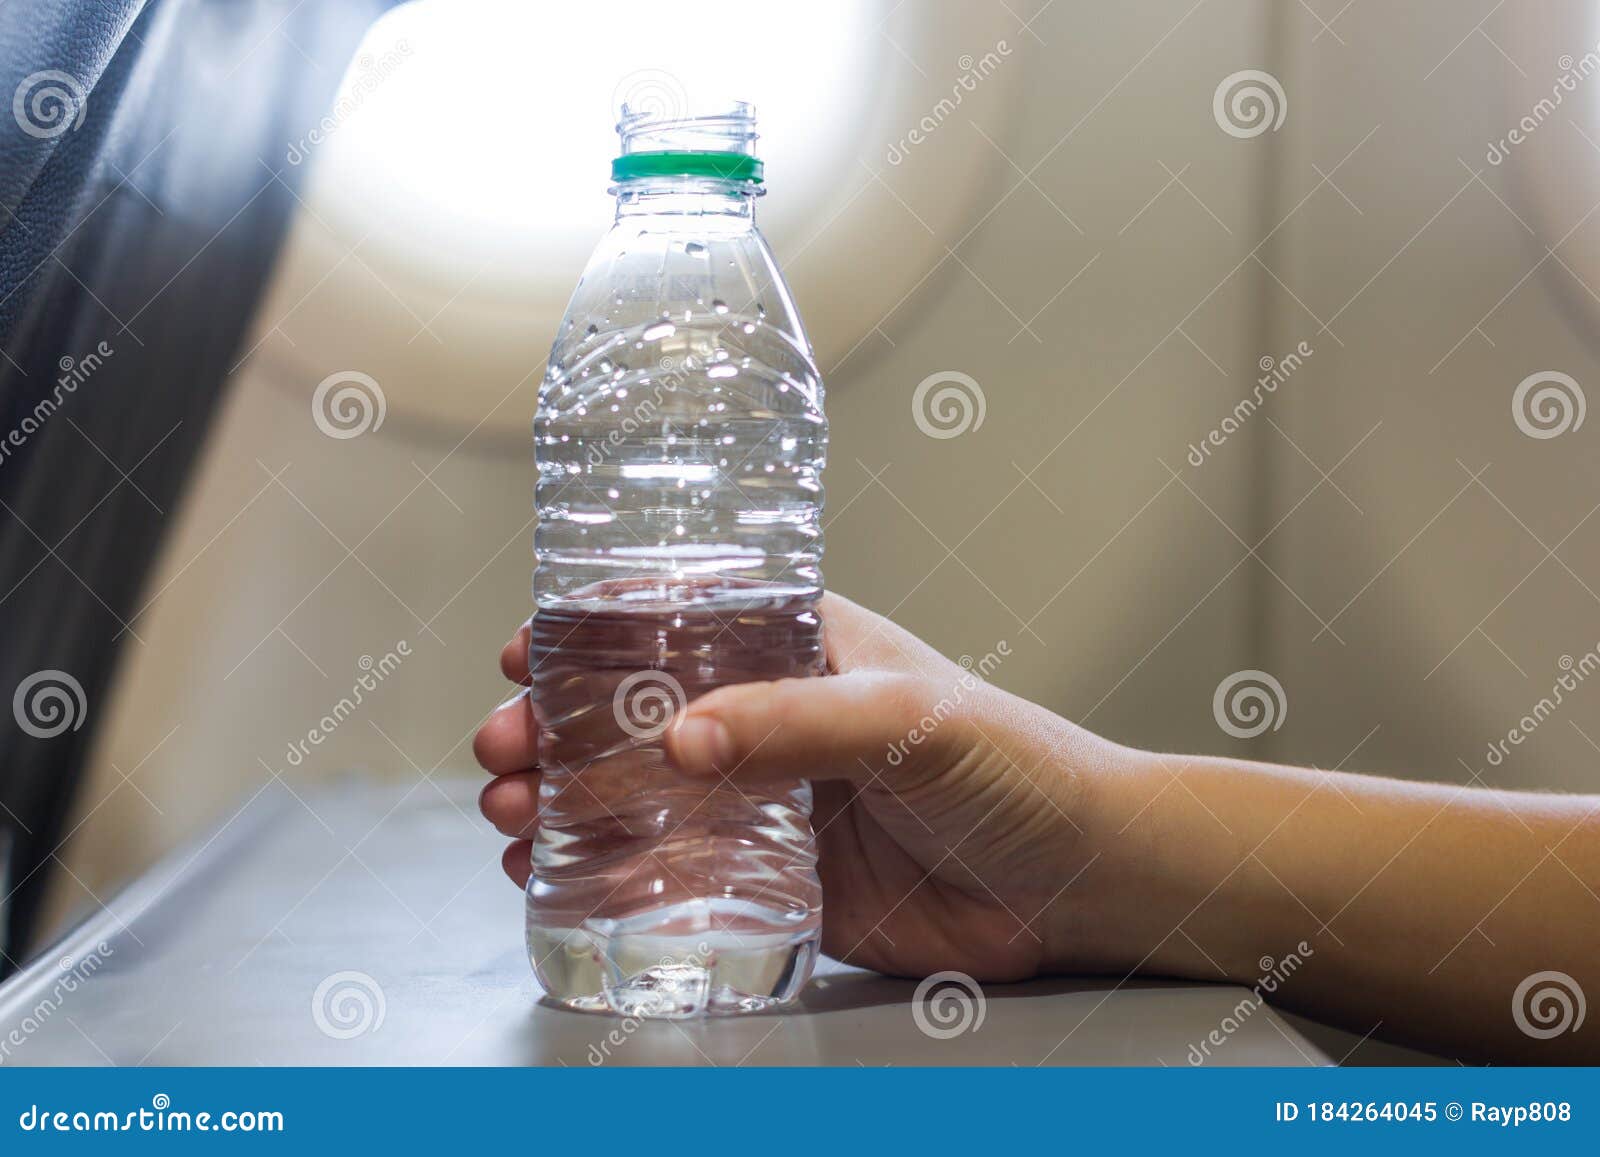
(142, 198)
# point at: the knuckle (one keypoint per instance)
(786, 703)
(907, 698)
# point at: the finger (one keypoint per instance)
(517, 863)
(514, 655)
(509, 739)
(511, 803)
(834, 727)
(858, 639)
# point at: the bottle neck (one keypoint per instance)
(687, 197)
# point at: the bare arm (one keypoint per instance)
(1423, 906)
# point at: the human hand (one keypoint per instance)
(952, 818)
(960, 827)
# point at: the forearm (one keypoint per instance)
(1420, 906)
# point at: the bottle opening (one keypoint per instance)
(719, 145)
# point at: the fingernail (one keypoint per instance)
(702, 745)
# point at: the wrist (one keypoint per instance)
(1162, 853)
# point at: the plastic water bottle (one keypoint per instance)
(680, 441)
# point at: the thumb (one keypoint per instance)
(830, 727)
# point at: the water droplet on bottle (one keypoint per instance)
(695, 249)
(719, 305)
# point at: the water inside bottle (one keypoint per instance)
(668, 896)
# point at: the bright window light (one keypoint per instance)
(481, 128)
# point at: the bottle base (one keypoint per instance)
(670, 971)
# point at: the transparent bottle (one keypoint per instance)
(680, 441)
